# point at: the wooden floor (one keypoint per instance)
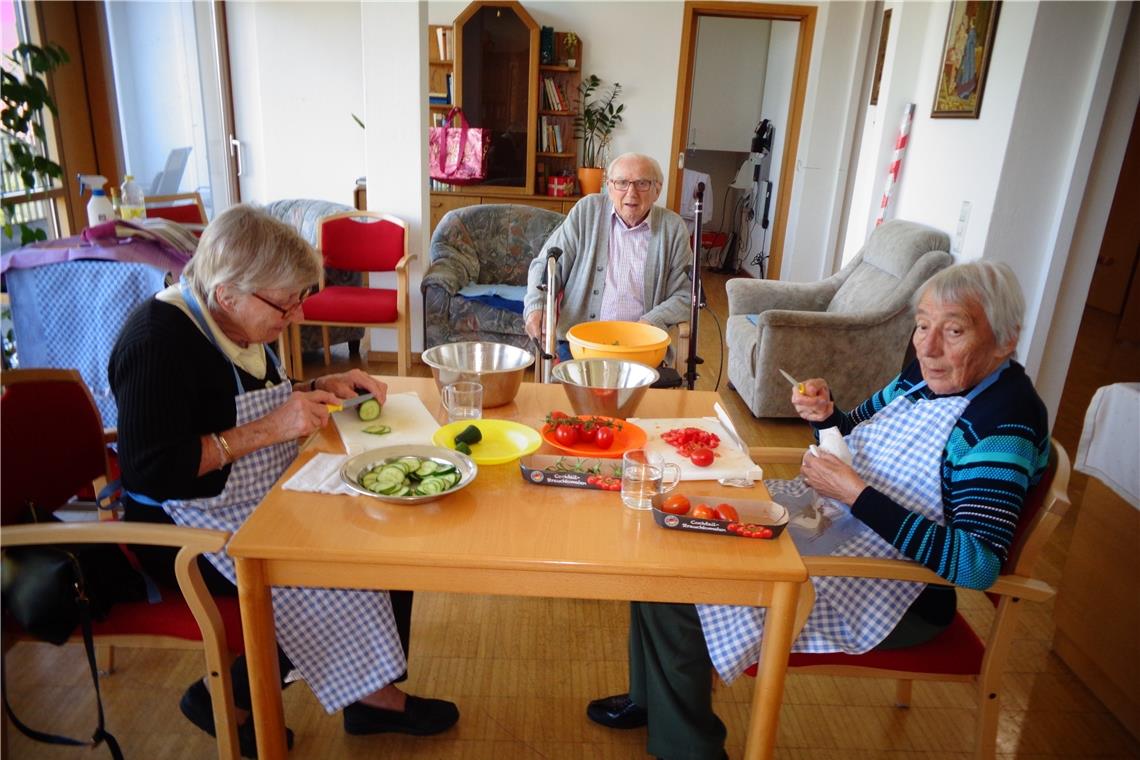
(522, 670)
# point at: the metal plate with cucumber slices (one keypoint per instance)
(408, 474)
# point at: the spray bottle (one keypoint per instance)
(99, 209)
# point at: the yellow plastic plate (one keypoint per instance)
(503, 440)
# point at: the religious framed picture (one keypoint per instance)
(965, 59)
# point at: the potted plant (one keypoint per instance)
(571, 43)
(598, 115)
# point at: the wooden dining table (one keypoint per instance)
(504, 535)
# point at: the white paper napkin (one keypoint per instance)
(321, 474)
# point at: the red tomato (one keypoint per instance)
(592, 480)
(727, 512)
(566, 435)
(604, 437)
(764, 532)
(557, 415)
(703, 512)
(677, 504)
(701, 457)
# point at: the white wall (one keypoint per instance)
(297, 78)
(728, 82)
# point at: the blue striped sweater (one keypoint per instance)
(998, 448)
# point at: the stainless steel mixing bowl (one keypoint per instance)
(498, 366)
(607, 387)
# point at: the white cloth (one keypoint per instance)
(1110, 442)
(321, 474)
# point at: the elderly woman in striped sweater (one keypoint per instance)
(943, 457)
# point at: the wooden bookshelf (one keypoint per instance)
(556, 114)
(441, 68)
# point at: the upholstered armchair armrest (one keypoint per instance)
(451, 268)
(748, 296)
(1019, 586)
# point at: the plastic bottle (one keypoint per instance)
(116, 203)
(134, 204)
(99, 209)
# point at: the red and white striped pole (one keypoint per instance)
(896, 162)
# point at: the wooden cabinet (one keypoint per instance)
(441, 70)
(558, 84)
(442, 202)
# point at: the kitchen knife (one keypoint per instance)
(795, 383)
(351, 402)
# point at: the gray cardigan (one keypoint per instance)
(584, 238)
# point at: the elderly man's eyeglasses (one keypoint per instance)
(287, 311)
(642, 185)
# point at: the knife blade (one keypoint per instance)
(795, 383)
(729, 428)
(351, 402)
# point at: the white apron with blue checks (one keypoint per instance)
(343, 642)
(899, 453)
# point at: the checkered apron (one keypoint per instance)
(899, 453)
(343, 642)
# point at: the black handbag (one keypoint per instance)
(49, 591)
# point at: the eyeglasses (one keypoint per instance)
(287, 312)
(642, 185)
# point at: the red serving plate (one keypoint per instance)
(628, 438)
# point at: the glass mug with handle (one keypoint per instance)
(645, 475)
(463, 401)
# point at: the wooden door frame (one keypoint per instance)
(805, 15)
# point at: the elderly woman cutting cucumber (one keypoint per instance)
(942, 459)
(208, 422)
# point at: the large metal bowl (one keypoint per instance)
(354, 467)
(497, 366)
(605, 387)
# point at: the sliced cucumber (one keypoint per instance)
(369, 410)
(410, 476)
(378, 429)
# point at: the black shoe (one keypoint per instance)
(618, 711)
(421, 717)
(198, 709)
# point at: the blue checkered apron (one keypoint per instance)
(897, 452)
(343, 642)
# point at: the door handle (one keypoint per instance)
(235, 150)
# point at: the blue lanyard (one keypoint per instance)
(196, 310)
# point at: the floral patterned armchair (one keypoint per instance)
(304, 215)
(483, 245)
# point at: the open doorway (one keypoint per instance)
(740, 94)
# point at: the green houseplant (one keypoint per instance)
(598, 115)
(25, 95)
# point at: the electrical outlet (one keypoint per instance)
(960, 231)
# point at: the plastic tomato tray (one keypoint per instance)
(569, 471)
(767, 513)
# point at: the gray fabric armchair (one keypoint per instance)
(488, 244)
(851, 329)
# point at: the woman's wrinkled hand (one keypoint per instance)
(346, 385)
(533, 324)
(830, 477)
(303, 414)
(814, 403)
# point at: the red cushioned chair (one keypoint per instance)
(366, 242)
(958, 653)
(52, 442)
(184, 208)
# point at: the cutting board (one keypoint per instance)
(410, 420)
(730, 461)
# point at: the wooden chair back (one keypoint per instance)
(184, 208)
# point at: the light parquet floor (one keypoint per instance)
(522, 670)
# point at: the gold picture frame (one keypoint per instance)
(965, 59)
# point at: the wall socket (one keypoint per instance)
(960, 232)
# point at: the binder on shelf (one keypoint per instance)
(441, 42)
(546, 45)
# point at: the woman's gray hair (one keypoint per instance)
(992, 284)
(247, 249)
(658, 176)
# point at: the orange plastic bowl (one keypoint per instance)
(630, 341)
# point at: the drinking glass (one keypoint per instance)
(463, 401)
(645, 475)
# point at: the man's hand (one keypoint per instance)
(830, 477)
(814, 403)
(534, 324)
